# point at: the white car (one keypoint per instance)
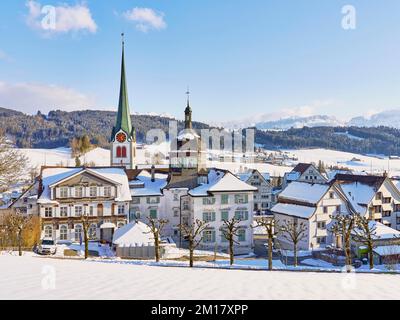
(47, 246)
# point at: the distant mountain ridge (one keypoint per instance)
(390, 118)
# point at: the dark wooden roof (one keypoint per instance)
(301, 167)
(369, 180)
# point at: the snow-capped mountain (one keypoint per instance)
(390, 118)
(283, 123)
(299, 122)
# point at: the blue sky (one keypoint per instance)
(240, 58)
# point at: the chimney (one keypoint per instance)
(153, 172)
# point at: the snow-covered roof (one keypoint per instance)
(359, 195)
(119, 176)
(304, 192)
(52, 176)
(220, 181)
(258, 230)
(143, 186)
(188, 134)
(244, 176)
(292, 176)
(266, 175)
(133, 234)
(331, 174)
(382, 232)
(293, 210)
(387, 250)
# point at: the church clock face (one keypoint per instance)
(121, 137)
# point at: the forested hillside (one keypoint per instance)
(58, 128)
(377, 140)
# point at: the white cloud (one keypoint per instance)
(146, 19)
(31, 97)
(59, 19)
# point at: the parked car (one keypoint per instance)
(47, 246)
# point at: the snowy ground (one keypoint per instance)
(101, 157)
(368, 164)
(31, 277)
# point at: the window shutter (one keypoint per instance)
(204, 216)
(237, 216)
(213, 216)
(213, 236)
(246, 198)
(58, 192)
(246, 216)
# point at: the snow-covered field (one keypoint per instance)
(101, 157)
(31, 277)
(346, 159)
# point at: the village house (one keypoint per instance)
(264, 198)
(384, 239)
(304, 172)
(66, 195)
(374, 197)
(312, 204)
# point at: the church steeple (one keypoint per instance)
(188, 112)
(123, 137)
(123, 117)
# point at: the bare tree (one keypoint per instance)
(294, 232)
(343, 226)
(156, 227)
(365, 233)
(16, 223)
(85, 228)
(12, 163)
(192, 232)
(229, 231)
(272, 229)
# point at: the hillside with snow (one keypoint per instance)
(375, 164)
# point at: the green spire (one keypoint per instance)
(123, 118)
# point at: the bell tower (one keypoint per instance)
(123, 136)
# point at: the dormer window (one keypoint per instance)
(63, 192)
(78, 192)
(93, 191)
(107, 191)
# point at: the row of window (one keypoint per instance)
(209, 236)
(379, 196)
(239, 199)
(325, 209)
(77, 211)
(80, 192)
(241, 215)
(153, 214)
(78, 234)
(378, 209)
